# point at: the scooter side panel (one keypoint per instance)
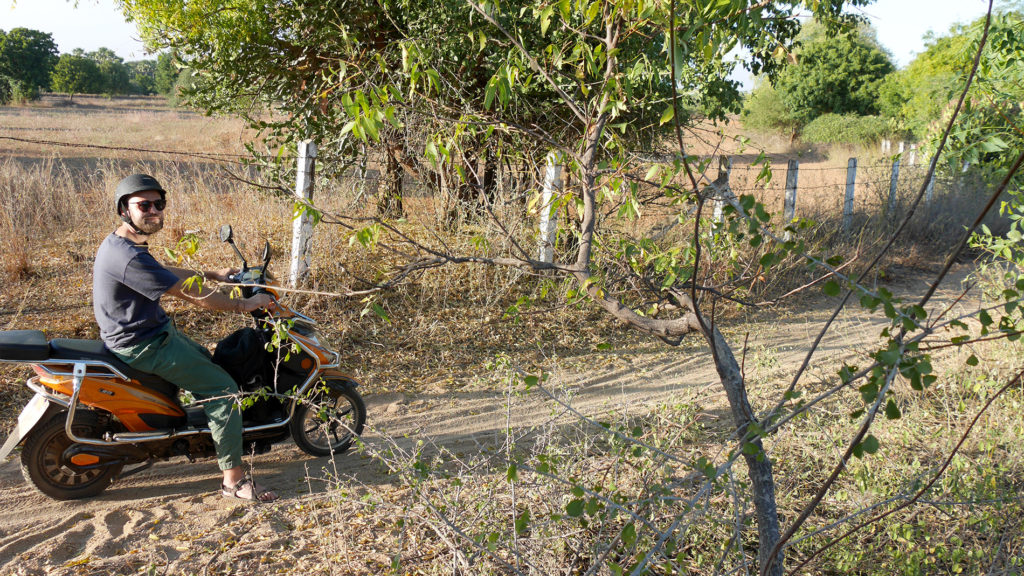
(125, 400)
(30, 415)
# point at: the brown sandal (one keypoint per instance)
(232, 492)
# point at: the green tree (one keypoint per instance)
(595, 77)
(75, 74)
(5, 82)
(918, 94)
(764, 109)
(27, 58)
(143, 76)
(835, 74)
(116, 75)
(832, 74)
(166, 73)
(314, 61)
(987, 138)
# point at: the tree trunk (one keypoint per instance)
(490, 184)
(389, 202)
(759, 466)
(465, 203)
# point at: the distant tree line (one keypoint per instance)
(844, 88)
(30, 64)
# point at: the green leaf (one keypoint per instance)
(870, 444)
(380, 312)
(667, 115)
(512, 474)
(869, 392)
(984, 318)
(545, 19)
(870, 302)
(892, 411)
(492, 541)
(431, 152)
(832, 288)
(389, 113)
(972, 360)
(489, 92)
(593, 11)
(522, 522)
(574, 509)
(629, 535)
(846, 373)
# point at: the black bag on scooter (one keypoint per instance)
(244, 356)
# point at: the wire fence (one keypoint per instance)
(879, 189)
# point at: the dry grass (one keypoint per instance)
(123, 122)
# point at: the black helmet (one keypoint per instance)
(134, 184)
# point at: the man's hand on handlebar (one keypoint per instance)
(222, 274)
(256, 302)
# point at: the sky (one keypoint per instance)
(901, 24)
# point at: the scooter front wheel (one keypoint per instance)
(327, 422)
(44, 466)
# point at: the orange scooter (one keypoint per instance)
(94, 419)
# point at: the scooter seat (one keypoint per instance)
(69, 349)
(23, 346)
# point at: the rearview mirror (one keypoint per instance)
(266, 254)
(225, 233)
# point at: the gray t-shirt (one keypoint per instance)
(127, 283)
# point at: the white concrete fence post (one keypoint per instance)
(548, 219)
(723, 191)
(789, 204)
(302, 227)
(851, 182)
(894, 181)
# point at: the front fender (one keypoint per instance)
(32, 414)
(335, 374)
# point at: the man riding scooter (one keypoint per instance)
(128, 283)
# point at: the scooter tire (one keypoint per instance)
(43, 466)
(328, 422)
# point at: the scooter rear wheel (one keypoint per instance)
(329, 421)
(43, 464)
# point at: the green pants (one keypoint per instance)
(184, 363)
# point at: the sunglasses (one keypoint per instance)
(145, 205)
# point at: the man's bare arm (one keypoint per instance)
(220, 275)
(204, 296)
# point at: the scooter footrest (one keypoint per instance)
(140, 436)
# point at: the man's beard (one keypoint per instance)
(151, 226)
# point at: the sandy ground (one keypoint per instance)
(171, 518)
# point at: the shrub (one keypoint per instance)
(847, 129)
(6, 93)
(765, 110)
